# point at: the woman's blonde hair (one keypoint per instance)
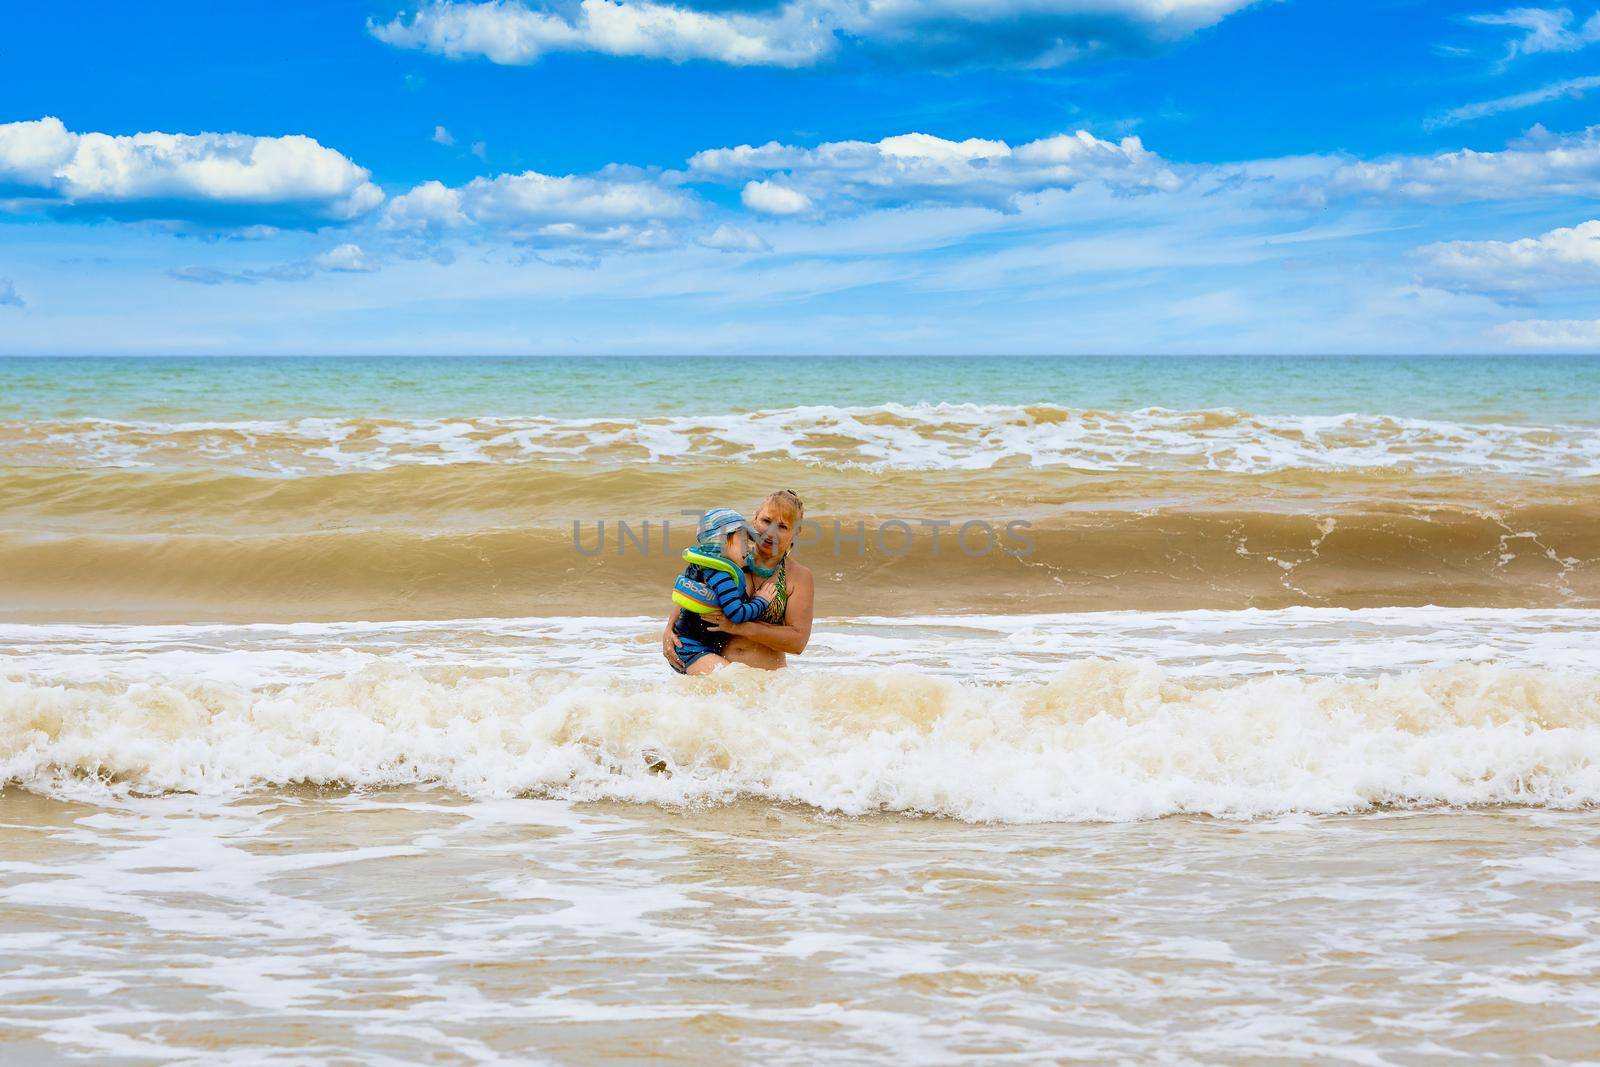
(789, 501)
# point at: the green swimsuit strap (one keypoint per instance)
(780, 597)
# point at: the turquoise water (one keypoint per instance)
(1539, 390)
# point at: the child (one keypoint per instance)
(714, 581)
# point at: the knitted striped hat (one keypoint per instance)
(717, 524)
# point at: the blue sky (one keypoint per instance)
(810, 176)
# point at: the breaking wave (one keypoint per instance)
(1102, 740)
(367, 566)
(882, 437)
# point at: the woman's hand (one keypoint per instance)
(669, 645)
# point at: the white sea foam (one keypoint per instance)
(1218, 645)
(889, 436)
(1065, 738)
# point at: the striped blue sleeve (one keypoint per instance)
(731, 599)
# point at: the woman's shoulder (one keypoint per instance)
(798, 571)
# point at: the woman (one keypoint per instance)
(786, 627)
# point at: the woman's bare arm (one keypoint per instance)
(794, 633)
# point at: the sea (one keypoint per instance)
(1174, 710)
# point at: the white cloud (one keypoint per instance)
(480, 149)
(9, 297)
(1037, 33)
(1541, 165)
(34, 153)
(916, 168)
(346, 259)
(625, 207)
(614, 208)
(510, 33)
(159, 174)
(621, 235)
(1559, 259)
(770, 198)
(1543, 30)
(342, 259)
(443, 136)
(1578, 335)
(727, 238)
(804, 32)
(1572, 88)
(431, 205)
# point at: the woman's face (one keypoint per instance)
(775, 527)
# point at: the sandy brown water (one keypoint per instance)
(417, 926)
(473, 540)
(911, 509)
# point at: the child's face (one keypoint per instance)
(735, 546)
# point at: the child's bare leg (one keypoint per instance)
(707, 663)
